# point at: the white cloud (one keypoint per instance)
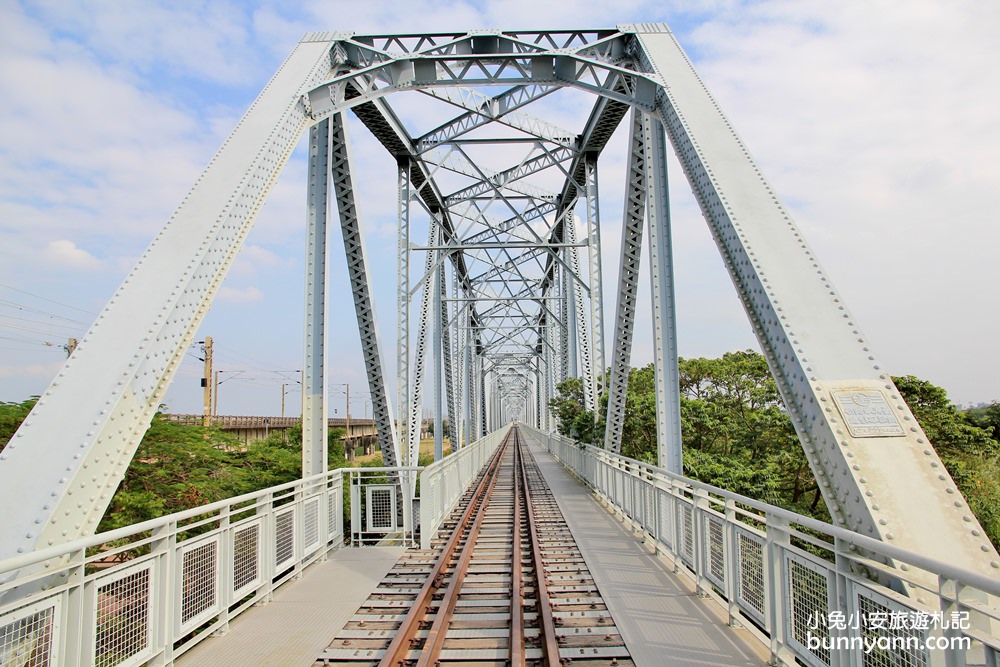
(873, 119)
(236, 295)
(43, 372)
(66, 254)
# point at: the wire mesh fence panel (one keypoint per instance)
(246, 559)
(665, 504)
(334, 516)
(199, 589)
(628, 494)
(686, 522)
(715, 554)
(750, 591)
(892, 634)
(310, 524)
(807, 612)
(381, 508)
(122, 606)
(284, 539)
(28, 635)
(649, 508)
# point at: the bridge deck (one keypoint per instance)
(659, 615)
(303, 615)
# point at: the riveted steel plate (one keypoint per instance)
(867, 414)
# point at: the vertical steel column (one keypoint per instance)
(458, 356)
(596, 281)
(434, 284)
(403, 307)
(467, 375)
(357, 270)
(447, 358)
(661, 269)
(549, 355)
(564, 315)
(482, 399)
(419, 360)
(314, 405)
(582, 332)
(628, 283)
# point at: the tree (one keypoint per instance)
(969, 452)
(11, 416)
(572, 418)
(175, 467)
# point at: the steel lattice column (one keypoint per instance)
(596, 281)
(419, 361)
(403, 306)
(628, 283)
(357, 270)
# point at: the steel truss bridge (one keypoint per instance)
(499, 298)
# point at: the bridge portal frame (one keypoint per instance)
(862, 442)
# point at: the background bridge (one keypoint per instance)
(500, 298)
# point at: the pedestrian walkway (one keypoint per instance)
(303, 616)
(660, 616)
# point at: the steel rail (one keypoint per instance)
(547, 626)
(517, 655)
(402, 642)
(439, 629)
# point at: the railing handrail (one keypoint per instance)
(778, 588)
(15, 563)
(981, 581)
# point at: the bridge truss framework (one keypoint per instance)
(500, 283)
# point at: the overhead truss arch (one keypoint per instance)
(513, 307)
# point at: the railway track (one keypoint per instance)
(506, 585)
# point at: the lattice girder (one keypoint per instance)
(862, 442)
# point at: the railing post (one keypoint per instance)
(76, 634)
(777, 537)
(165, 613)
(949, 593)
(265, 507)
(224, 571)
(844, 602)
(731, 554)
(702, 546)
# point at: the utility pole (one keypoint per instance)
(206, 381)
(215, 395)
(282, 399)
(348, 410)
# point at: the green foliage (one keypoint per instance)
(11, 416)
(966, 443)
(175, 467)
(737, 435)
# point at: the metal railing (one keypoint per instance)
(814, 594)
(149, 592)
(443, 482)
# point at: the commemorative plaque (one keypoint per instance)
(867, 414)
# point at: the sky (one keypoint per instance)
(874, 120)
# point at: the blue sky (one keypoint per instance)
(874, 120)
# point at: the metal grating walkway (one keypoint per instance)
(303, 616)
(659, 615)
